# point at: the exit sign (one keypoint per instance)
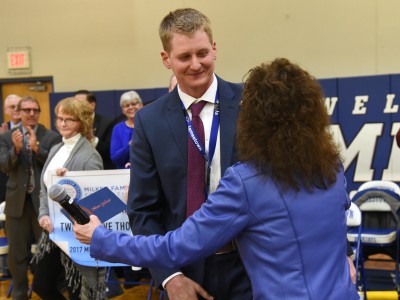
(18, 59)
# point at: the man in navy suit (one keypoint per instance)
(10, 109)
(159, 155)
(100, 136)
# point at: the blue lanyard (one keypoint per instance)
(213, 138)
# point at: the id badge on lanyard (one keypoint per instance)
(213, 139)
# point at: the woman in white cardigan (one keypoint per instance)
(73, 120)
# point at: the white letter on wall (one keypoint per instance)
(390, 108)
(330, 104)
(392, 173)
(359, 108)
(361, 148)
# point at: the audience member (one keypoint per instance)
(100, 134)
(121, 138)
(23, 151)
(122, 132)
(10, 109)
(161, 177)
(74, 119)
(285, 200)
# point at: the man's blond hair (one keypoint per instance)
(184, 21)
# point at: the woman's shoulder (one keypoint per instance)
(121, 126)
(245, 170)
(84, 146)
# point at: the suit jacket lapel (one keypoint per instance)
(228, 111)
(96, 124)
(74, 151)
(176, 121)
(40, 132)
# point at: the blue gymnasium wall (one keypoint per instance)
(108, 101)
(365, 119)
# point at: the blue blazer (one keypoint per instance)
(157, 193)
(293, 244)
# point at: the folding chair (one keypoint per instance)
(379, 202)
(5, 274)
(354, 224)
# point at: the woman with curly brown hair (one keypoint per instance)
(283, 127)
(285, 203)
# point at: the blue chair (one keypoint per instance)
(354, 224)
(5, 275)
(379, 203)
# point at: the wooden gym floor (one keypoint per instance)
(134, 293)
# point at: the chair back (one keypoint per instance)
(380, 184)
(379, 202)
(353, 218)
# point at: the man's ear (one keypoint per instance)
(214, 47)
(165, 59)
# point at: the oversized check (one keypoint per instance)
(78, 185)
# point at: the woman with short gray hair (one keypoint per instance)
(122, 132)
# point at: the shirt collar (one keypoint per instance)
(72, 140)
(209, 95)
(12, 124)
(25, 131)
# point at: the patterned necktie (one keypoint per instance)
(31, 175)
(196, 164)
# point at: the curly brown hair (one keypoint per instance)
(283, 127)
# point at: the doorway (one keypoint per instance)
(38, 87)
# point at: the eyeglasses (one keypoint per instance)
(30, 110)
(126, 105)
(67, 121)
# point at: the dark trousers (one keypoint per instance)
(19, 232)
(225, 278)
(3, 182)
(49, 280)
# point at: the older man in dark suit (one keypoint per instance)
(10, 109)
(23, 151)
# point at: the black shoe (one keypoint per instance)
(114, 290)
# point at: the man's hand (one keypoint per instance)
(183, 288)
(18, 140)
(83, 233)
(4, 127)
